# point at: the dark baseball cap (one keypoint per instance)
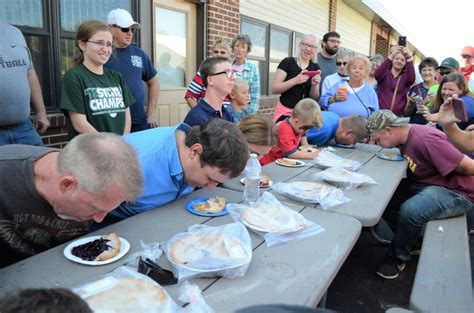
(450, 63)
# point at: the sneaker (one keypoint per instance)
(416, 250)
(390, 268)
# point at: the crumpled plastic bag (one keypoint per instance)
(124, 290)
(273, 221)
(343, 178)
(206, 251)
(327, 159)
(312, 192)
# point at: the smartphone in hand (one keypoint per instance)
(312, 73)
(402, 41)
(459, 109)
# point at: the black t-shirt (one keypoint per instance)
(293, 95)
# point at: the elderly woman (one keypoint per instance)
(342, 58)
(375, 61)
(355, 96)
(290, 79)
(394, 77)
(241, 46)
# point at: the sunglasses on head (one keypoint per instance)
(341, 63)
(125, 29)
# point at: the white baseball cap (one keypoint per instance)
(122, 18)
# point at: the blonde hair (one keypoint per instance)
(362, 58)
(308, 110)
(238, 82)
(313, 57)
(258, 130)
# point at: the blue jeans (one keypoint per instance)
(412, 206)
(23, 133)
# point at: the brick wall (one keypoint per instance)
(332, 15)
(223, 17)
(56, 135)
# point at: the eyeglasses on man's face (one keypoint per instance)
(229, 73)
(102, 44)
(341, 63)
(332, 40)
(125, 29)
(307, 45)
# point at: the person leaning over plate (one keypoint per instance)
(49, 196)
(438, 185)
(175, 160)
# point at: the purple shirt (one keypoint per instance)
(432, 160)
(386, 84)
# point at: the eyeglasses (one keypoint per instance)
(334, 41)
(466, 56)
(307, 45)
(125, 29)
(221, 52)
(445, 72)
(102, 44)
(229, 73)
(307, 127)
(341, 63)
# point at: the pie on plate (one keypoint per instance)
(390, 156)
(272, 218)
(307, 148)
(129, 295)
(264, 182)
(289, 162)
(213, 205)
(195, 251)
(102, 249)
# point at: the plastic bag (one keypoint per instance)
(309, 192)
(327, 159)
(206, 251)
(274, 222)
(343, 178)
(151, 251)
(124, 290)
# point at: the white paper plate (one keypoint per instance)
(67, 251)
(298, 164)
(270, 183)
(299, 218)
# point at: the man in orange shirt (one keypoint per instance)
(467, 64)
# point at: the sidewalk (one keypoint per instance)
(356, 288)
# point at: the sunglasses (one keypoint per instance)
(221, 52)
(307, 127)
(125, 29)
(341, 63)
(157, 273)
(229, 73)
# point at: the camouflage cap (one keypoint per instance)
(385, 118)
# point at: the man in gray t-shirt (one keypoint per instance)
(19, 85)
(327, 56)
(46, 199)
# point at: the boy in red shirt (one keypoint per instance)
(292, 131)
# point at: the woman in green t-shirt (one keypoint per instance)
(94, 98)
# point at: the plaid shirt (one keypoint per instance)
(252, 77)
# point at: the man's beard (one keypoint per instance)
(332, 51)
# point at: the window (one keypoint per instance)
(49, 29)
(171, 47)
(271, 44)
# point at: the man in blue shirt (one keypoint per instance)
(218, 78)
(346, 130)
(135, 66)
(175, 160)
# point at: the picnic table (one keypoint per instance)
(298, 273)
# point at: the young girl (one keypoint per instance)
(239, 100)
(94, 98)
